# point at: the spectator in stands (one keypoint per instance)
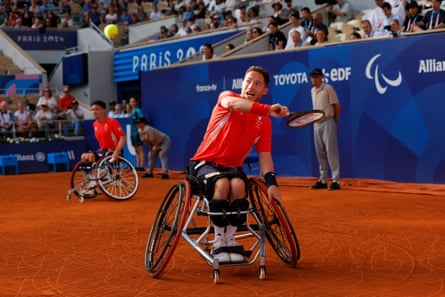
(249, 35)
(65, 102)
(86, 8)
(163, 33)
(27, 17)
(194, 27)
(19, 23)
(6, 119)
(384, 27)
(242, 15)
(254, 14)
(395, 28)
(44, 117)
(188, 13)
(256, 31)
(412, 17)
(317, 24)
(295, 40)
(207, 52)
(76, 116)
(306, 19)
(367, 31)
(126, 108)
(215, 22)
(124, 18)
(174, 29)
(184, 28)
(295, 25)
(67, 21)
(117, 112)
(341, 11)
(375, 16)
(48, 99)
(52, 20)
(39, 25)
(230, 21)
(44, 8)
(111, 17)
(229, 47)
(136, 114)
(277, 39)
(155, 14)
(3, 16)
(287, 11)
(141, 14)
(23, 120)
(201, 12)
(94, 16)
(433, 19)
(278, 12)
(112, 105)
(321, 36)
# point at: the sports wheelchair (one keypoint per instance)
(117, 180)
(185, 212)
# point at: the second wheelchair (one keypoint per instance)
(118, 179)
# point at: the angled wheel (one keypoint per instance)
(118, 180)
(279, 230)
(167, 227)
(81, 178)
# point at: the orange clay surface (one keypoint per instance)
(371, 238)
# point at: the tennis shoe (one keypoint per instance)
(236, 251)
(319, 185)
(219, 249)
(334, 186)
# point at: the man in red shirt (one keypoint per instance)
(237, 123)
(65, 101)
(110, 136)
(108, 132)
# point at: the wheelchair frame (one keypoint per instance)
(118, 180)
(184, 208)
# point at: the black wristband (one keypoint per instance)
(270, 179)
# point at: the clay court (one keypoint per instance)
(369, 239)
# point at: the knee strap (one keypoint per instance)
(240, 204)
(219, 205)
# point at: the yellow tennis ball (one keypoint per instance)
(111, 31)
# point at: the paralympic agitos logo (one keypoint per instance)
(381, 81)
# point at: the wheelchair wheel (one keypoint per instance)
(279, 230)
(119, 179)
(80, 179)
(167, 227)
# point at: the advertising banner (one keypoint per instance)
(129, 62)
(31, 40)
(390, 90)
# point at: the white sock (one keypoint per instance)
(230, 232)
(219, 231)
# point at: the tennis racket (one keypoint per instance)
(304, 118)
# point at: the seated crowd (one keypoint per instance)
(48, 117)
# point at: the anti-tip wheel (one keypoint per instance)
(262, 273)
(216, 274)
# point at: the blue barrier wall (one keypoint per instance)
(391, 92)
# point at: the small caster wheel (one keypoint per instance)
(216, 276)
(81, 199)
(262, 273)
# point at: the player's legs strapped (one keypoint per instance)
(238, 205)
(219, 205)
